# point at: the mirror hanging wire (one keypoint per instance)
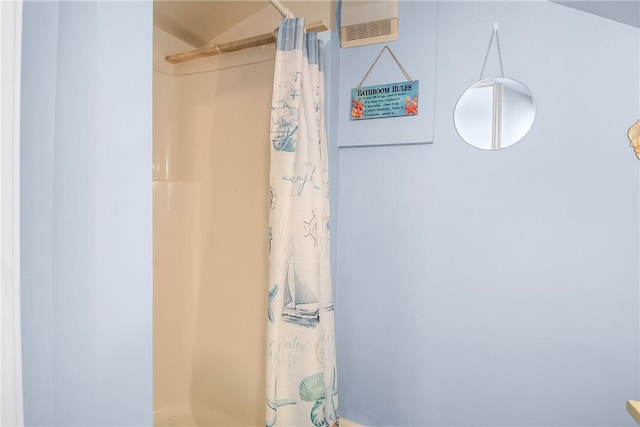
(484, 64)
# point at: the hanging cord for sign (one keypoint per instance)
(494, 33)
(374, 64)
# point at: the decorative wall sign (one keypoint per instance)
(388, 100)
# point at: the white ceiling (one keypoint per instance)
(198, 22)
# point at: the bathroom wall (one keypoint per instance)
(86, 209)
(39, 57)
(496, 288)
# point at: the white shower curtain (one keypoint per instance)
(301, 367)
(11, 413)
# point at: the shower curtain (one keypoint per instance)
(301, 368)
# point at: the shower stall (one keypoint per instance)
(210, 190)
(211, 198)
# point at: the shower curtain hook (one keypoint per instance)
(289, 15)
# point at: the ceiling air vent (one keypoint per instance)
(368, 22)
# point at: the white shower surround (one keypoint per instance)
(210, 215)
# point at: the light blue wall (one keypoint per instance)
(39, 58)
(86, 213)
(497, 288)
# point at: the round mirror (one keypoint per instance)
(494, 113)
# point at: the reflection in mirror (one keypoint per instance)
(494, 113)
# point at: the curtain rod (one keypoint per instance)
(286, 13)
(216, 49)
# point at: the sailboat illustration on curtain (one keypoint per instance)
(301, 305)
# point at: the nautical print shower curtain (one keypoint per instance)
(301, 368)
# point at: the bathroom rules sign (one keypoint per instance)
(388, 100)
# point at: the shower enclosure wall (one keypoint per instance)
(210, 188)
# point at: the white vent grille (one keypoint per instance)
(364, 33)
